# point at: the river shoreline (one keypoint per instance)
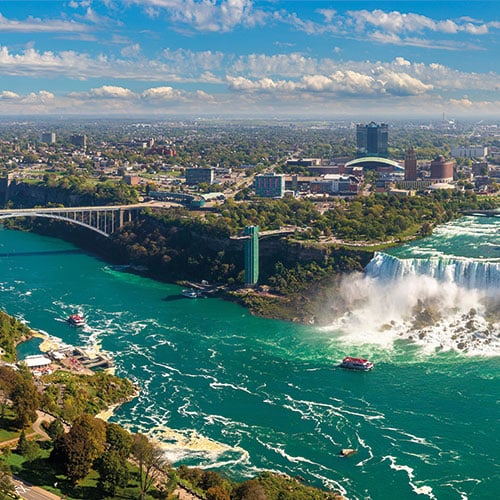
(52, 343)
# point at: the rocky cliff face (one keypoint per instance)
(289, 252)
(23, 195)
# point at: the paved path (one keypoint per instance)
(38, 430)
(183, 493)
(30, 492)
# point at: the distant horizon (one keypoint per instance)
(285, 118)
(250, 58)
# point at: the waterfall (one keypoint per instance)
(441, 292)
(464, 272)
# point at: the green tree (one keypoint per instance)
(113, 472)
(250, 490)
(7, 489)
(22, 443)
(31, 451)
(25, 398)
(217, 493)
(151, 461)
(118, 439)
(81, 446)
(55, 429)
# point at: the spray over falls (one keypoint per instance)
(442, 292)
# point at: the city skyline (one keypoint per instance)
(250, 58)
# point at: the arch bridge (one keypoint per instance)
(104, 220)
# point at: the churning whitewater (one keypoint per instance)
(225, 390)
(442, 292)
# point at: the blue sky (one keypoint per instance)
(245, 58)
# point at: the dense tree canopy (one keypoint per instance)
(77, 450)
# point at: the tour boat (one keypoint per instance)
(76, 320)
(356, 364)
(191, 294)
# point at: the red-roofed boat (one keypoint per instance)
(356, 364)
(76, 320)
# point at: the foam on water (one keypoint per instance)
(432, 314)
(419, 490)
(220, 388)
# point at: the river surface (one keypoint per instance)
(222, 389)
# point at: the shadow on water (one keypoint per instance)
(173, 298)
(34, 254)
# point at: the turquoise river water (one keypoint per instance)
(222, 389)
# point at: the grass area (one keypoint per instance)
(43, 473)
(8, 429)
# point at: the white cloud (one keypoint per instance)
(279, 97)
(285, 71)
(401, 84)
(161, 93)
(401, 61)
(206, 15)
(43, 97)
(191, 62)
(328, 14)
(131, 50)
(8, 94)
(392, 27)
(280, 64)
(465, 102)
(398, 22)
(110, 91)
(36, 25)
(341, 83)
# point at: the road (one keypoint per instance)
(29, 492)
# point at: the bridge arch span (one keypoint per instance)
(104, 220)
(58, 217)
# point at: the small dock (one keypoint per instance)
(204, 287)
(97, 361)
(76, 358)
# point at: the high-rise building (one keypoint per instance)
(78, 140)
(48, 137)
(198, 175)
(442, 169)
(270, 185)
(372, 139)
(410, 165)
(251, 255)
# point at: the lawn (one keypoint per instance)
(43, 473)
(8, 429)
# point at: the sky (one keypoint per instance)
(249, 58)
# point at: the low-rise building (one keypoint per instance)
(469, 152)
(303, 162)
(336, 184)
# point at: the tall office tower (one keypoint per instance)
(410, 165)
(251, 256)
(372, 139)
